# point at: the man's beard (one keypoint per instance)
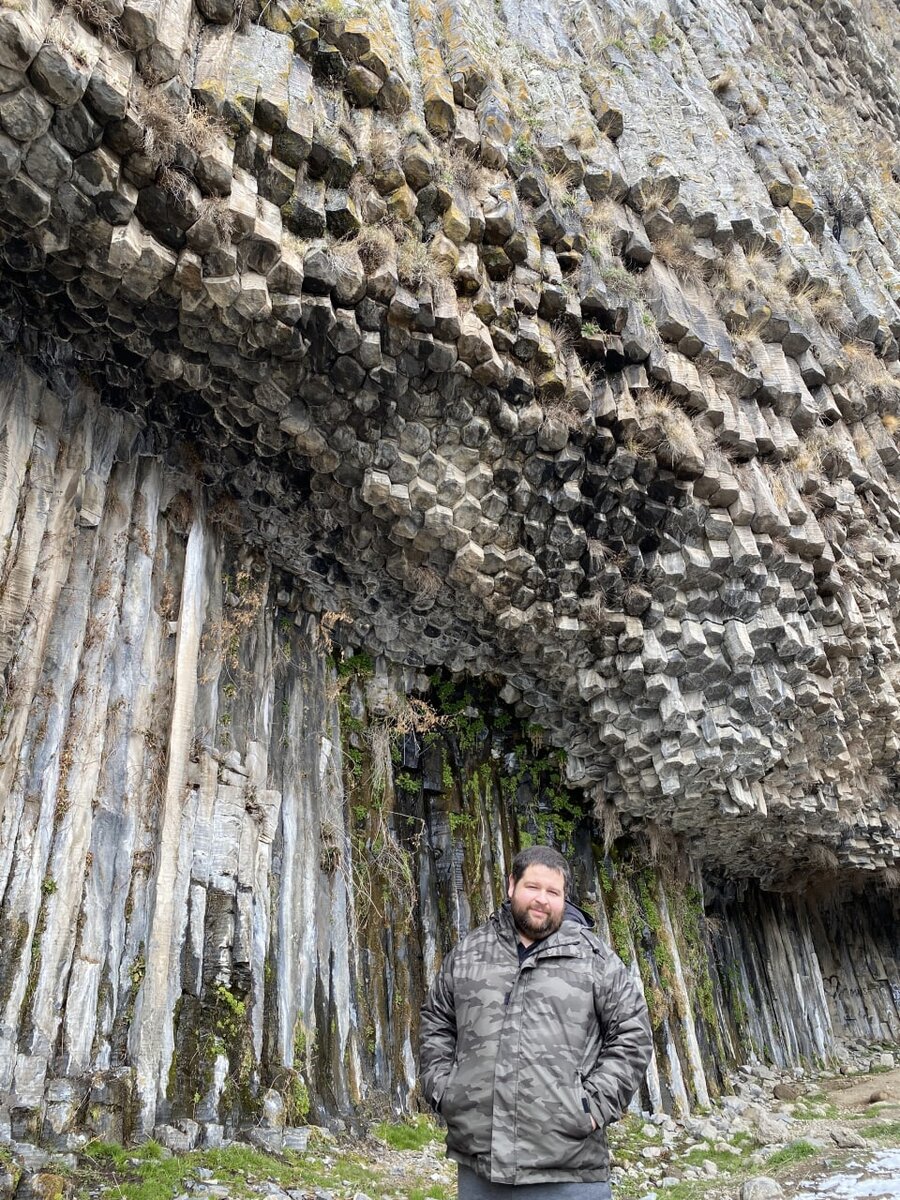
(533, 925)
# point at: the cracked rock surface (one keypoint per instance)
(556, 343)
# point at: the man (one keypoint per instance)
(534, 1038)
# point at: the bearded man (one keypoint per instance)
(534, 1038)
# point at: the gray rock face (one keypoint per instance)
(617, 412)
(195, 938)
(600, 409)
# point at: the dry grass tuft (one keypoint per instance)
(327, 626)
(564, 411)
(665, 429)
(676, 250)
(561, 187)
(622, 281)
(415, 263)
(374, 245)
(829, 310)
(778, 487)
(217, 211)
(869, 371)
(97, 16)
(166, 126)
(561, 338)
(225, 513)
(816, 452)
(608, 819)
(459, 169)
(731, 274)
(807, 460)
(723, 81)
(747, 334)
(56, 36)
(383, 146)
(175, 183)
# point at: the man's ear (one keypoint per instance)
(511, 888)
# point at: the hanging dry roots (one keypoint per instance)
(610, 825)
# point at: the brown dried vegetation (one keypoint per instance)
(97, 16)
(723, 81)
(217, 211)
(374, 245)
(166, 127)
(416, 263)
(665, 429)
(676, 250)
(461, 170)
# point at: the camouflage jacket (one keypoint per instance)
(518, 1058)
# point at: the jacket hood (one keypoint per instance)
(574, 913)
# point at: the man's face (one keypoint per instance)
(538, 901)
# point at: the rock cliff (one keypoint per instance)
(353, 350)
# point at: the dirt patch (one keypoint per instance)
(857, 1094)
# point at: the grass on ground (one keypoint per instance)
(882, 1131)
(408, 1135)
(793, 1153)
(149, 1172)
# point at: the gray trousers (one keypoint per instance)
(473, 1187)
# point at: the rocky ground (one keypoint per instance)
(800, 1131)
(791, 1135)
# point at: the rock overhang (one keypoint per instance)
(541, 398)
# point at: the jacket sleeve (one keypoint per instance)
(437, 1046)
(626, 1045)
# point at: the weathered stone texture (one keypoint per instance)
(589, 313)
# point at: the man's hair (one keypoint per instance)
(542, 856)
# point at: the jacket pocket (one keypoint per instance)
(574, 1117)
(443, 1106)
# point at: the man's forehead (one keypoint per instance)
(537, 873)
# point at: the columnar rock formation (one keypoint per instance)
(555, 346)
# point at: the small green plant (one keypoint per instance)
(407, 783)
(359, 664)
(459, 822)
(525, 148)
(658, 43)
(793, 1153)
(48, 887)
